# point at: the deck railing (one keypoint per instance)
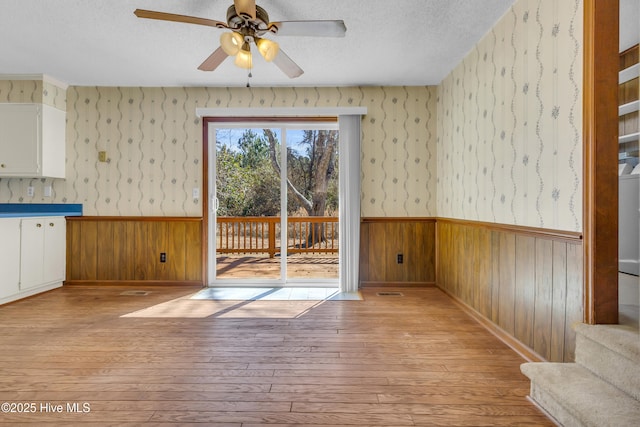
(255, 235)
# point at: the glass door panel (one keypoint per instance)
(312, 204)
(274, 215)
(247, 218)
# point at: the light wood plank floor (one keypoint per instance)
(164, 359)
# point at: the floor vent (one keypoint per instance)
(136, 293)
(390, 294)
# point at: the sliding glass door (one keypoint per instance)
(312, 208)
(247, 203)
(274, 203)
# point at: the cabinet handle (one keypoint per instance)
(38, 225)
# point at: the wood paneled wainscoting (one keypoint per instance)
(521, 282)
(122, 250)
(382, 240)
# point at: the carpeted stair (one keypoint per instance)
(602, 388)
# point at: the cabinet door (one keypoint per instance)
(32, 252)
(53, 142)
(19, 147)
(54, 249)
(9, 256)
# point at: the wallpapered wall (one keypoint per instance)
(33, 91)
(510, 122)
(153, 140)
(499, 140)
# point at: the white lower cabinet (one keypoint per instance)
(55, 250)
(32, 254)
(9, 257)
(42, 251)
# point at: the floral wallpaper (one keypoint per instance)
(153, 141)
(499, 140)
(39, 91)
(21, 91)
(510, 122)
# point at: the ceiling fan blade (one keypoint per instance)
(310, 28)
(245, 8)
(215, 59)
(162, 16)
(287, 65)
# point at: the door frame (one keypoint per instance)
(600, 160)
(276, 121)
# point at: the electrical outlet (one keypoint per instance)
(47, 191)
(31, 191)
(196, 193)
(163, 257)
(400, 258)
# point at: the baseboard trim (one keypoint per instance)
(525, 352)
(369, 284)
(544, 411)
(29, 293)
(132, 283)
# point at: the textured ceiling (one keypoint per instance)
(101, 42)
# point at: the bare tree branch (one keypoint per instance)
(306, 204)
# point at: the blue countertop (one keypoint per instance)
(11, 210)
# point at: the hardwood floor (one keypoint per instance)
(164, 359)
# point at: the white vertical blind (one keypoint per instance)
(349, 201)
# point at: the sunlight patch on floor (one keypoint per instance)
(183, 308)
(276, 294)
(268, 303)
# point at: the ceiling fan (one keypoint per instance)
(249, 23)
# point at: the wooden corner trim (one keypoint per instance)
(544, 233)
(600, 158)
(567, 236)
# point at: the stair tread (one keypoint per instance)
(610, 352)
(583, 394)
(621, 339)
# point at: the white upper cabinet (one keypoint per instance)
(32, 141)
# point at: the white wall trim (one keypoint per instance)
(280, 111)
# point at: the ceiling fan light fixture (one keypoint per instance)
(267, 48)
(243, 58)
(247, 23)
(231, 42)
